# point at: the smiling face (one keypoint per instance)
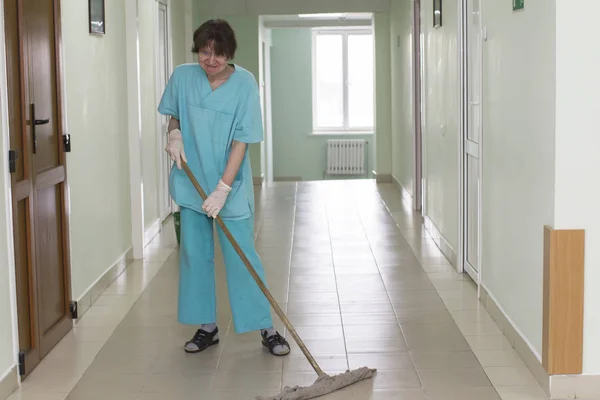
(215, 43)
(212, 63)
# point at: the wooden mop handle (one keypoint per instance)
(259, 281)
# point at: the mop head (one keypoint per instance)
(323, 385)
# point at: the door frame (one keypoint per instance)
(61, 111)
(417, 44)
(188, 23)
(161, 135)
(267, 103)
(265, 46)
(62, 130)
(7, 191)
(134, 130)
(463, 134)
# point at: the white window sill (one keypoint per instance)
(340, 133)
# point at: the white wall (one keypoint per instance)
(440, 97)
(402, 112)
(577, 142)
(96, 101)
(518, 157)
(518, 141)
(150, 164)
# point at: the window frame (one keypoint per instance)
(345, 129)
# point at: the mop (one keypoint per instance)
(325, 383)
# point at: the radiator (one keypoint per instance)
(346, 156)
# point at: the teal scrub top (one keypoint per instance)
(209, 121)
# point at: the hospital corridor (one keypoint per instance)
(416, 181)
(362, 283)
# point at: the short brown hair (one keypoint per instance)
(218, 35)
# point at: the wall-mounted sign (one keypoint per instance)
(437, 13)
(97, 15)
(518, 5)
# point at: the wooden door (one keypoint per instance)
(38, 177)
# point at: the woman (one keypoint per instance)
(215, 113)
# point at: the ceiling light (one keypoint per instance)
(332, 15)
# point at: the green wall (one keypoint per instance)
(310, 153)
(296, 153)
(246, 32)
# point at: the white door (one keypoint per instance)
(267, 110)
(472, 140)
(164, 72)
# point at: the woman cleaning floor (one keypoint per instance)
(215, 113)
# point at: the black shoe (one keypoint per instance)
(275, 340)
(201, 341)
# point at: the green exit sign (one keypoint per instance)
(518, 5)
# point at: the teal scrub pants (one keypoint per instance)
(197, 292)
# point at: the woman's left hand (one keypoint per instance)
(215, 202)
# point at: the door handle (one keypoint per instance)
(12, 161)
(41, 121)
(34, 123)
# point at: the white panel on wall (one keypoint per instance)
(272, 7)
(326, 6)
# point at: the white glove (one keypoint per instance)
(215, 202)
(175, 147)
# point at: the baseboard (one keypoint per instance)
(382, 178)
(258, 180)
(406, 195)
(517, 340)
(287, 179)
(152, 231)
(441, 242)
(9, 382)
(104, 281)
(580, 387)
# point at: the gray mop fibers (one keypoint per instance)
(323, 385)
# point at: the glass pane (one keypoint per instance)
(474, 76)
(360, 77)
(329, 81)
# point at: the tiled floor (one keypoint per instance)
(359, 278)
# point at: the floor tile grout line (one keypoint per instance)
(382, 201)
(287, 297)
(437, 291)
(337, 289)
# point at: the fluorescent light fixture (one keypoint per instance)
(332, 15)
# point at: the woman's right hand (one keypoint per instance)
(175, 147)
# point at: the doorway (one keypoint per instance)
(266, 96)
(164, 68)
(38, 177)
(472, 134)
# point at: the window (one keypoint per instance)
(343, 81)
